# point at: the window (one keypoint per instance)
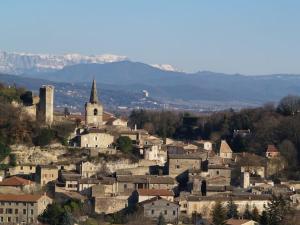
(1, 210)
(168, 204)
(2, 203)
(125, 185)
(24, 211)
(166, 212)
(31, 204)
(1, 219)
(152, 211)
(31, 211)
(9, 219)
(9, 211)
(30, 167)
(96, 138)
(16, 211)
(95, 112)
(21, 168)
(24, 203)
(218, 172)
(174, 212)
(177, 166)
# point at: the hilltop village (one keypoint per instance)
(93, 178)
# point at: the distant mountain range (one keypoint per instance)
(17, 63)
(164, 83)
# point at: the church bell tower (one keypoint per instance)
(93, 109)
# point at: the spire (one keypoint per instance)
(94, 96)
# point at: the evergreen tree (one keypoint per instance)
(278, 211)
(255, 214)
(263, 219)
(161, 220)
(232, 211)
(218, 214)
(247, 214)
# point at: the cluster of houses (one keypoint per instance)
(171, 178)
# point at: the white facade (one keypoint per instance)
(96, 140)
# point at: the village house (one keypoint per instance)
(146, 194)
(107, 187)
(69, 180)
(126, 183)
(45, 174)
(94, 138)
(225, 151)
(117, 122)
(16, 184)
(272, 151)
(86, 168)
(22, 209)
(179, 164)
(24, 169)
(154, 207)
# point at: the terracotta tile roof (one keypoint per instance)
(272, 148)
(155, 192)
(19, 198)
(15, 181)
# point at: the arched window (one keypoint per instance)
(95, 112)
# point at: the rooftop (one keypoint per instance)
(19, 198)
(155, 192)
(15, 181)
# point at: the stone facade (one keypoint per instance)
(204, 205)
(22, 209)
(45, 174)
(179, 164)
(93, 109)
(45, 106)
(153, 208)
(95, 139)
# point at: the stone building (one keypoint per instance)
(179, 164)
(225, 151)
(94, 109)
(86, 169)
(46, 104)
(24, 169)
(156, 206)
(131, 183)
(146, 194)
(45, 174)
(22, 209)
(205, 204)
(95, 138)
(16, 184)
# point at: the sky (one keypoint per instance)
(232, 36)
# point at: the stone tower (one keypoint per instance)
(93, 109)
(45, 106)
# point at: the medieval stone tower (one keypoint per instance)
(45, 106)
(93, 109)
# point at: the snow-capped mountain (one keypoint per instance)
(18, 63)
(165, 67)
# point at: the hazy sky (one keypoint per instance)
(233, 36)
